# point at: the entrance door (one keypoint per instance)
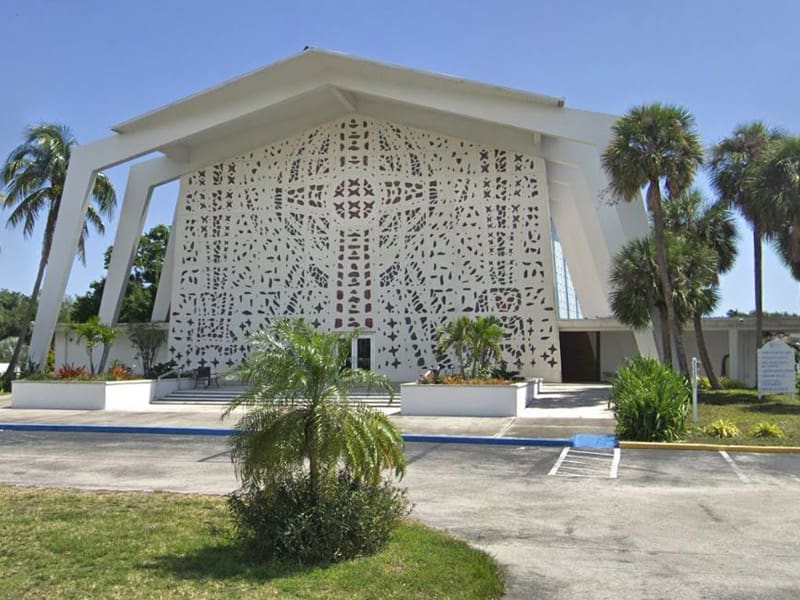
(362, 353)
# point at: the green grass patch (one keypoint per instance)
(743, 408)
(71, 544)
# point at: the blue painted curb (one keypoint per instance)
(138, 429)
(486, 440)
(593, 440)
(577, 441)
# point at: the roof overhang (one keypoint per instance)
(317, 86)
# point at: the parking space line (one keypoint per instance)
(613, 473)
(560, 460)
(586, 463)
(739, 473)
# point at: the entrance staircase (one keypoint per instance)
(224, 394)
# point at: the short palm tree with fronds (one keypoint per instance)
(311, 463)
(455, 336)
(297, 415)
(33, 176)
(655, 146)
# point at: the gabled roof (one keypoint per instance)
(315, 63)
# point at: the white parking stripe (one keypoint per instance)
(614, 464)
(560, 460)
(742, 477)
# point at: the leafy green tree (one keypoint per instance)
(147, 338)
(13, 306)
(732, 165)
(34, 175)
(95, 334)
(297, 415)
(655, 145)
(140, 294)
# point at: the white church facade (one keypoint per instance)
(357, 194)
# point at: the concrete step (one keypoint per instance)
(223, 396)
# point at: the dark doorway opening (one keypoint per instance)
(364, 354)
(580, 356)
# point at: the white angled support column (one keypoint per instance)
(71, 213)
(138, 191)
(164, 291)
(575, 170)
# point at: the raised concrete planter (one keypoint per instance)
(83, 395)
(465, 400)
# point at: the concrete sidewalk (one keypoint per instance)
(562, 410)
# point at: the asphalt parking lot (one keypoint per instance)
(575, 524)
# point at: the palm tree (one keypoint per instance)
(33, 175)
(731, 165)
(776, 189)
(486, 337)
(636, 287)
(655, 145)
(455, 336)
(710, 233)
(298, 416)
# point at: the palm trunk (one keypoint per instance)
(666, 338)
(25, 326)
(704, 357)
(654, 204)
(313, 463)
(757, 274)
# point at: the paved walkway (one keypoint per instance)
(561, 410)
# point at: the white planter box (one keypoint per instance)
(465, 400)
(83, 395)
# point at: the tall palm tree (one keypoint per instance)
(776, 188)
(731, 165)
(33, 175)
(655, 145)
(297, 415)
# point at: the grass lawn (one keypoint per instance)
(72, 544)
(743, 407)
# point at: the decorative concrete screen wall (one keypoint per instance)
(364, 223)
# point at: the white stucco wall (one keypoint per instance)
(70, 350)
(366, 223)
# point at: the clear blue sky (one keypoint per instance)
(92, 63)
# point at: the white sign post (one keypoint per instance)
(776, 370)
(694, 389)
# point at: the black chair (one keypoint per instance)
(204, 375)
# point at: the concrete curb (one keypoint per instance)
(222, 431)
(709, 447)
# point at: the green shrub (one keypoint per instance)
(733, 384)
(349, 518)
(767, 430)
(722, 428)
(651, 401)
